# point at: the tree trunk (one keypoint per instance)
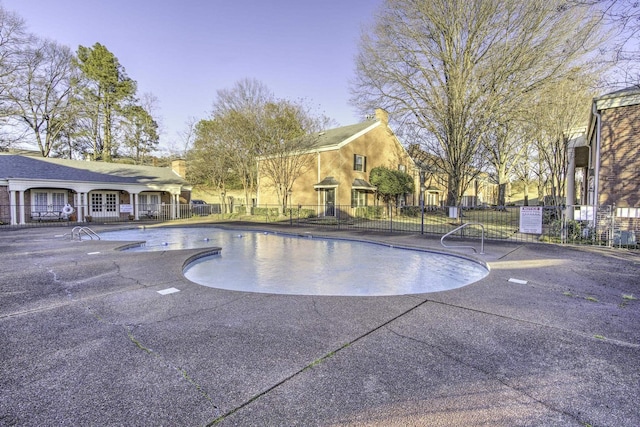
(454, 186)
(502, 194)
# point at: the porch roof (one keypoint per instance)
(327, 182)
(361, 184)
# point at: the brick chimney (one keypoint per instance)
(179, 166)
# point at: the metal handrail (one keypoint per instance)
(463, 246)
(77, 232)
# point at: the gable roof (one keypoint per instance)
(14, 166)
(331, 139)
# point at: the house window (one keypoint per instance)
(432, 200)
(358, 198)
(48, 201)
(402, 168)
(40, 202)
(149, 202)
(359, 163)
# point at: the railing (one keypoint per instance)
(614, 227)
(78, 231)
(464, 246)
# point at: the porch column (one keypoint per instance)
(136, 208)
(175, 202)
(12, 207)
(76, 203)
(85, 205)
(21, 206)
(571, 183)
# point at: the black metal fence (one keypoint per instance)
(606, 225)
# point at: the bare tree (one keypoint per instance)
(523, 170)
(249, 124)
(503, 146)
(187, 138)
(235, 113)
(562, 108)
(287, 132)
(40, 92)
(451, 69)
(622, 20)
(209, 158)
(13, 40)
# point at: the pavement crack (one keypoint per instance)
(538, 324)
(204, 310)
(313, 364)
(489, 374)
(510, 252)
(182, 371)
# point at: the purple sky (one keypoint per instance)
(184, 51)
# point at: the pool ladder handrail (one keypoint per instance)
(464, 246)
(77, 231)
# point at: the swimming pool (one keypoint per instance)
(285, 264)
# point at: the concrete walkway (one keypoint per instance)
(86, 339)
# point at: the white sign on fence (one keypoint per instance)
(531, 219)
(126, 208)
(583, 213)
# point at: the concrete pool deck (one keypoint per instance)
(87, 339)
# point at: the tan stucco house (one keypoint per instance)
(337, 176)
(36, 189)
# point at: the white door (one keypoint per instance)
(104, 204)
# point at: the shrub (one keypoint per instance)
(575, 230)
(274, 212)
(307, 213)
(369, 212)
(412, 211)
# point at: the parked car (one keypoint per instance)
(200, 207)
